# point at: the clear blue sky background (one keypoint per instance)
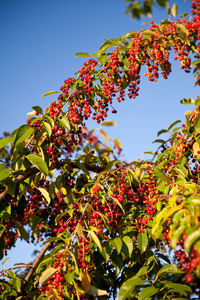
(38, 41)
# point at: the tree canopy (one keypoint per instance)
(110, 228)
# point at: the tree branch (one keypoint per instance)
(20, 178)
(35, 263)
(179, 198)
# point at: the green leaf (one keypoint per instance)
(178, 288)
(5, 141)
(197, 124)
(173, 124)
(45, 194)
(23, 234)
(4, 172)
(95, 239)
(160, 175)
(176, 235)
(38, 162)
(104, 48)
(5, 260)
(195, 62)
(82, 54)
(46, 275)
(174, 10)
(108, 123)
(191, 240)
(117, 244)
(38, 109)
(187, 101)
(103, 59)
(50, 93)
(182, 28)
(147, 292)
(159, 141)
(96, 292)
(117, 143)
(169, 269)
(162, 131)
(50, 120)
(2, 229)
(23, 133)
(65, 123)
(128, 286)
(149, 152)
(142, 240)
(47, 128)
(129, 243)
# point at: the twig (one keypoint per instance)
(179, 198)
(14, 268)
(20, 178)
(34, 265)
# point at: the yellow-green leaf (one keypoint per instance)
(38, 162)
(50, 93)
(45, 194)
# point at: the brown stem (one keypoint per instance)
(14, 268)
(35, 263)
(20, 178)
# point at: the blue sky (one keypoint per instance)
(38, 43)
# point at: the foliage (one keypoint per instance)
(137, 9)
(109, 225)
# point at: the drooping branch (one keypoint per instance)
(28, 173)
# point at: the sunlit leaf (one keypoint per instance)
(50, 93)
(45, 194)
(142, 240)
(38, 162)
(46, 275)
(82, 54)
